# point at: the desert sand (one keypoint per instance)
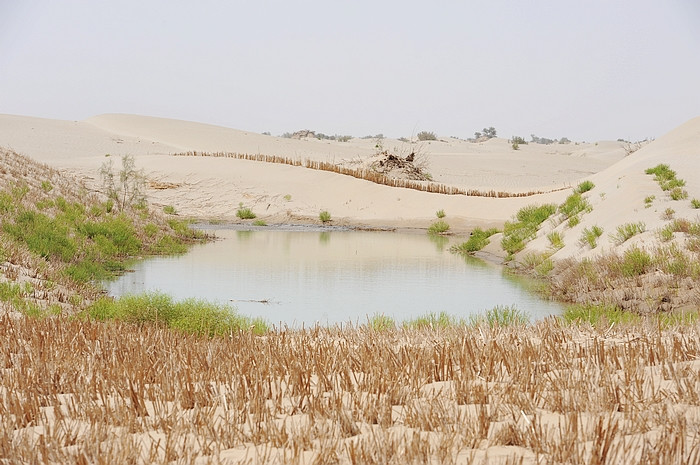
(212, 188)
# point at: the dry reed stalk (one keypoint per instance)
(93, 392)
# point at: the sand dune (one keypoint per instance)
(213, 188)
(621, 189)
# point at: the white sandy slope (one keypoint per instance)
(620, 191)
(205, 187)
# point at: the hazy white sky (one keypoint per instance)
(584, 69)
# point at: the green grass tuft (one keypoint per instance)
(585, 186)
(556, 240)
(439, 227)
(324, 216)
(573, 205)
(524, 228)
(627, 231)
(501, 316)
(477, 241)
(440, 213)
(245, 213)
(590, 236)
(441, 320)
(169, 210)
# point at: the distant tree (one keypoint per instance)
(489, 132)
(425, 135)
(541, 140)
(564, 140)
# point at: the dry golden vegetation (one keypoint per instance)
(86, 392)
(368, 174)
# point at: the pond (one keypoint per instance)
(301, 276)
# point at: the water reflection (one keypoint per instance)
(332, 277)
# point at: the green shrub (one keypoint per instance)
(556, 240)
(635, 262)
(425, 135)
(432, 321)
(668, 214)
(439, 227)
(597, 313)
(585, 186)
(44, 236)
(516, 141)
(477, 241)
(573, 205)
(114, 236)
(324, 216)
(528, 219)
(661, 172)
(46, 186)
(679, 194)
(666, 233)
(695, 203)
(501, 316)
(440, 213)
(666, 177)
(259, 223)
(534, 215)
(168, 245)
(648, 201)
(573, 221)
(150, 230)
(589, 236)
(626, 231)
(244, 213)
(169, 210)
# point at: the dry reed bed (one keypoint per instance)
(86, 392)
(366, 174)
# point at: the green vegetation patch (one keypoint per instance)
(45, 236)
(439, 227)
(584, 186)
(477, 241)
(524, 228)
(501, 316)
(245, 213)
(324, 216)
(574, 205)
(598, 314)
(440, 320)
(556, 240)
(589, 236)
(626, 231)
(666, 177)
(191, 315)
